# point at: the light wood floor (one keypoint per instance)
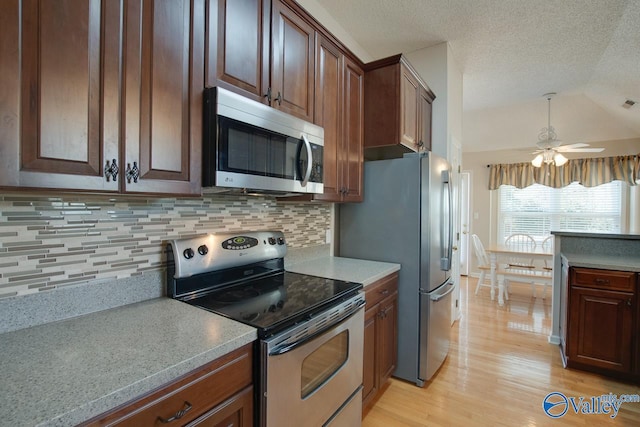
(498, 371)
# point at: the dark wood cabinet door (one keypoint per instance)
(353, 132)
(328, 114)
(387, 336)
(409, 93)
(238, 46)
(369, 372)
(162, 105)
(601, 328)
(425, 109)
(60, 93)
(292, 62)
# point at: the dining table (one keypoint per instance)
(499, 252)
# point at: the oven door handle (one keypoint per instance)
(277, 351)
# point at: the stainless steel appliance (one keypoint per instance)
(310, 329)
(406, 218)
(250, 146)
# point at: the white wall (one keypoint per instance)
(438, 68)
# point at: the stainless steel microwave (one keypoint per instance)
(252, 147)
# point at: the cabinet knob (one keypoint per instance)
(268, 96)
(279, 98)
(629, 302)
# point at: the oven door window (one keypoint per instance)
(247, 149)
(319, 366)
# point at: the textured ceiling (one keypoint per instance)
(511, 53)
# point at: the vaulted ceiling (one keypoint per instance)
(511, 53)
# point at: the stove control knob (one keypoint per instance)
(188, 253)
(203, 249)
(272, 241)
(281, 240)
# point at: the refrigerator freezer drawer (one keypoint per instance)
(438, 329)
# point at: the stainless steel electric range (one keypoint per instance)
(310, 329)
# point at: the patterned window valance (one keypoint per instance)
(588, 172)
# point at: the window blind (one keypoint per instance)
(538, 209)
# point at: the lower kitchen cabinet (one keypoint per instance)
(601, 321)
(217, 394)
(380, 337)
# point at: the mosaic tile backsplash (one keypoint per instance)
(51, 242)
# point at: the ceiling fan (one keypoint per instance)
(549, 146)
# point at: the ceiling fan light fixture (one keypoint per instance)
(559, 159)
(537, 161)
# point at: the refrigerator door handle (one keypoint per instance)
(437, 297)
(447, 216)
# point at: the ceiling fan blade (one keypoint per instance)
(582, 150)
(576, 145)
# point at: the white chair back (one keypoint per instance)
(524, 243)
(478, 248)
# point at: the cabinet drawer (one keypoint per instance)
(376, 292)
(603, 279)
(191, 395)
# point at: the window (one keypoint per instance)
(538, 209)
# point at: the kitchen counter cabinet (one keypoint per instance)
(600, 321)
(397, 109)
(91, 96)
(67, 372)
(381, 332)
(218, 394)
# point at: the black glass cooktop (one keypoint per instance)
(276, 302)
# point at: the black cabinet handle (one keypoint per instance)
(111, 170)
(186, 408)
(132, 173)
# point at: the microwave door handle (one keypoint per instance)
(309, 160)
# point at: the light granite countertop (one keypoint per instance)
(620, 236)
(65, 372)
(349, 269)
(628, 263)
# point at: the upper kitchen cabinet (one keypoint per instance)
(238, 46)
(263, 50)
(59, 93)
(397, 109)
(292, 61)
(339, 110)
(99, 98)
(162, 97)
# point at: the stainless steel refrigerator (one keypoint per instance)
(406, 218)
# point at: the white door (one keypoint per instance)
(465, 179)
(456, 159)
